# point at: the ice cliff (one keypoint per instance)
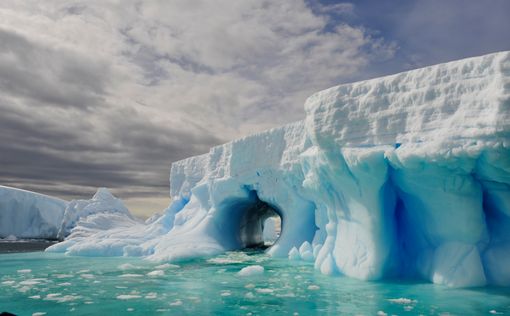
(401, 176)
(25, 214)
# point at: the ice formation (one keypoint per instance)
(406, 175)
(25, 214)
(102, 202)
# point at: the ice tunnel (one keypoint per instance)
(240, 221)
(244, 221)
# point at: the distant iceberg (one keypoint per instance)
(401, 176)
(25, 214)
(29, 215)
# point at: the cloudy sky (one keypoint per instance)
(110, 93)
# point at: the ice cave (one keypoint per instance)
(403, 176)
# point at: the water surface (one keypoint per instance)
(55, 284)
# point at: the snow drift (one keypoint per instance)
(406, 175)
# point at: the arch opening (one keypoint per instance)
(248, 223)
(260, 225)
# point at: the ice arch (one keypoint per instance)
(404, 175)
(242, 220)
(234, 214)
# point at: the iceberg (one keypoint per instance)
(403, 176)
(102, 202)
(31, 215)
(25, 214)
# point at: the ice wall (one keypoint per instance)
(26, 214)
(406, 175)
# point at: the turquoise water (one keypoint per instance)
(59, 285)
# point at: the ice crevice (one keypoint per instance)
(404, 176)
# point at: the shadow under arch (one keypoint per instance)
(241, 222)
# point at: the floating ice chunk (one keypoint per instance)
(264, 291)
(57, 297)
(156, 273)
(167, 266)
(39, 314)
(8, 282)
(87, 276)
(24, 271)
(151, 295)
(251, 271)
(381, 313)
(131, 275)
(176, 303)
(313, 287)
(53, 295)
(30, 282)
(128, 297)
(126, 266)
(402, 300)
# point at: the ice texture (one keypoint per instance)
(102, 202)
(25, 214)
(406, 175)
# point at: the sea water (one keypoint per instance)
(39, 283)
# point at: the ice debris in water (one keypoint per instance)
(251, 271)
(402, 300)
(156, 273)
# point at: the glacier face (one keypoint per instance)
(402, 176)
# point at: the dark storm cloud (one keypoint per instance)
(60, 141)
(47, 76)
(133, 152)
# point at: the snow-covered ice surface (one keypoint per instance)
(406, 175)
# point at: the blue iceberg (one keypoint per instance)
(404, 176)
